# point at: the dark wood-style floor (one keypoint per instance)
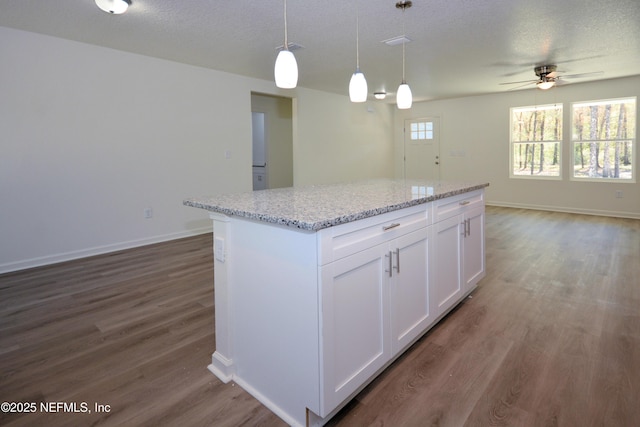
(551, 337)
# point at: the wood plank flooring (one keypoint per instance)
(550, 338)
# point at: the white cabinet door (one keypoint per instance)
(374, 304)
(355, 335)
(473, 249)
(447, 287)
(410, 307)
(460, 257)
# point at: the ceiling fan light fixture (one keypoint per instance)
(547, 76)
(546, 83)
(115, 7)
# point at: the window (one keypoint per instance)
(536, 133)
(421, 130)
(603, 138)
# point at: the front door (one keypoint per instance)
(422, 148)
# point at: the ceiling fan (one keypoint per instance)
(548, 77)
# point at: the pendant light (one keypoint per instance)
(113, 6)
(286, 68)
(358, 84)
(404, 98)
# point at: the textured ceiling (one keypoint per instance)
(458, 48)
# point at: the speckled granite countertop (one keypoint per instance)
(316, 207)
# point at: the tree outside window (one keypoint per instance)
(603, 139)
(536, 136)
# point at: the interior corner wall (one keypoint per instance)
(474, 145)
(90, 137)
(340, 141)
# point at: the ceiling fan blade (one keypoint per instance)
(523, 81)
(526, 84)
(581, 75)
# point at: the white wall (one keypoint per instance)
(341, 141)
(479, 126)
(90, 136)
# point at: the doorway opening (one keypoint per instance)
(272, 139)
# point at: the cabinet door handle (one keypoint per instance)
(397, 252)
(389, 227)
(464, 202)
(467, 227)
(390, 270)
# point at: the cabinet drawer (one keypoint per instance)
(346, 239)
(452, 206)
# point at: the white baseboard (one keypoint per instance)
(97, 250)
(596, 212)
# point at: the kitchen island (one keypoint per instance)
(318, 289)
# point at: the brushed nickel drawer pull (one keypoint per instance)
(389, 227)
(464, 202)
(390, 270)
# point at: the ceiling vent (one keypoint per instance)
(395, 41)
(292, 47)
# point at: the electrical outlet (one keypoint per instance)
(148, 213)
(618, 194)
(218, 248)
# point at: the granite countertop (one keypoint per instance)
(316, 207)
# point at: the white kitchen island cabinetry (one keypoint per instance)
(318, 289)
(374, 303)
(459, 237)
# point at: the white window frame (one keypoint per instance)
(559, 142)
(632, 138)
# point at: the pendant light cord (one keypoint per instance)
(357, 38)
(404, 37)
(286, 42)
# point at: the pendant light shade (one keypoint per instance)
(404, 98)
(286, 68)
(113, 6)
(358, 87)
